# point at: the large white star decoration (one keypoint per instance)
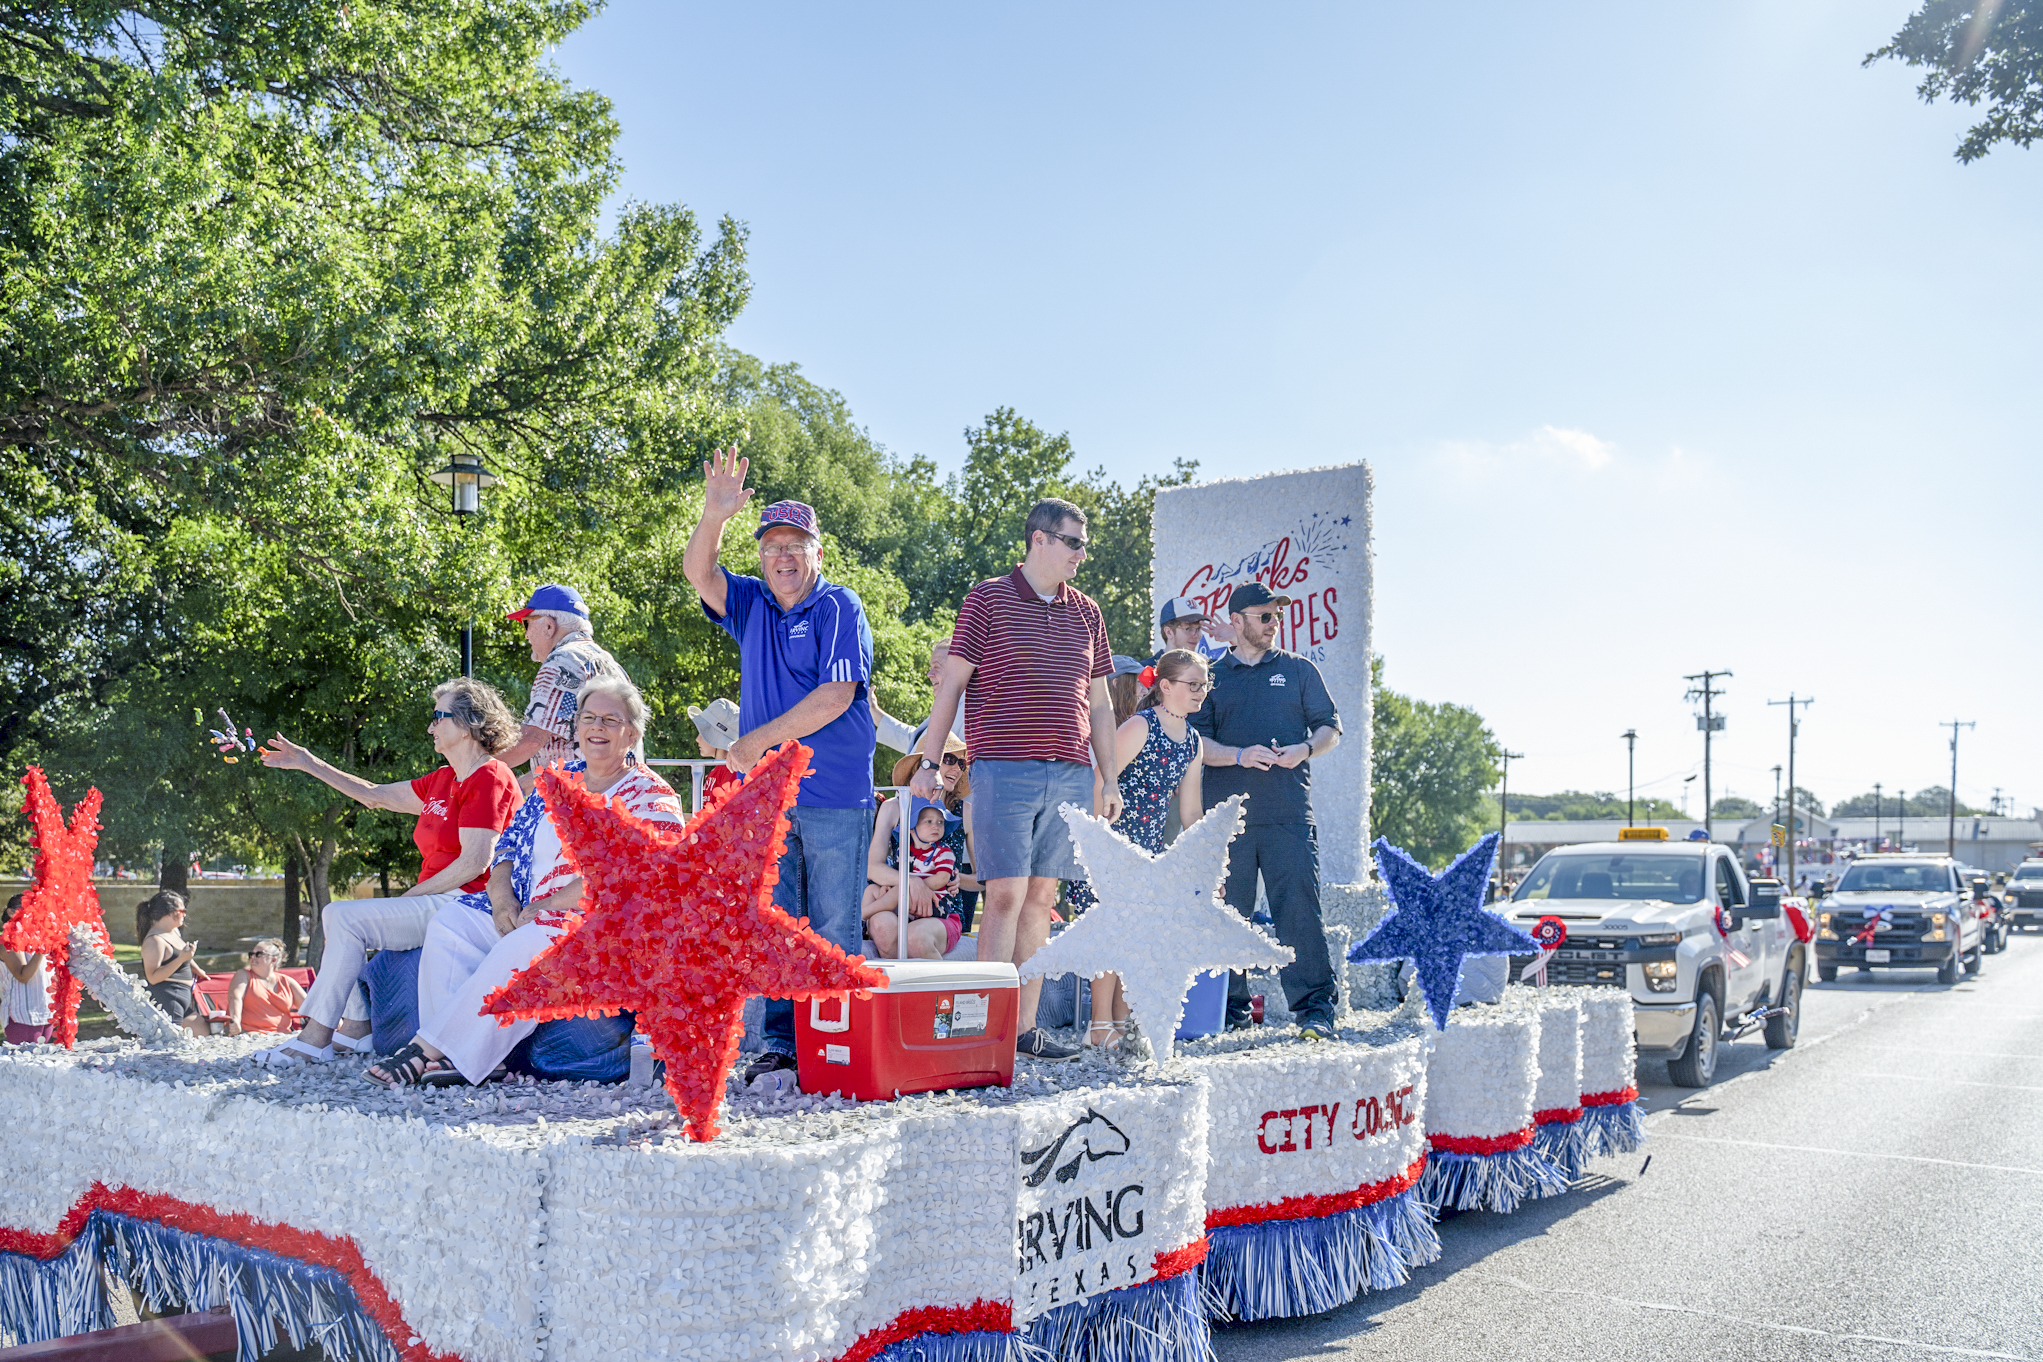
(1159, 921)
(1438, 919)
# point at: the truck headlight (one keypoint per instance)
(1823, 931)
(1660, 975)
(1661, 939)
(1936, 927)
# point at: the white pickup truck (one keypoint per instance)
(1704, 953)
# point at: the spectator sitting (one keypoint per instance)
(935, 920)
(461, 808)
(956, 797)
(563, 643)
(167, 957)
(260, 997)
(479, 940)
(28, 989)
(716, 728)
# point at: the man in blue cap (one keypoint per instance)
(805, 661)
(564, 645)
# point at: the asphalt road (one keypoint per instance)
(1875, 1193)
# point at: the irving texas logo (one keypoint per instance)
(1067, 1248)
(1304, 564)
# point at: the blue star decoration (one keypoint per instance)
(1436, 920)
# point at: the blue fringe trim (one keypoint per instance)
(66, 1295)
(1487, 1182)
(976, 1345)
(1281, 1269)
(1619, 1129)
(1568, 1146)
(1155, 1322)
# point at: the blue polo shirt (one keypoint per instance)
(785, 654)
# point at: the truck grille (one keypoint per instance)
(1561, 970)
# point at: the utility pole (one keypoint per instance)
(1901, 820)
(1876, 815)
(1951, 832)
(1994, 808)
(1631, 772)
(1794, 727)
(1776, 792)
(1709, 723)
(1504, 815)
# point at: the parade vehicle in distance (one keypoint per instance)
(2023, 896)
(1901, 911)
(1704, 952)
(1994, 927)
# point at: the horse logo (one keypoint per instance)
(1097, 1138)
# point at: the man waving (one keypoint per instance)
(805, 659)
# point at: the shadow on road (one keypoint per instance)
(1466, 1238)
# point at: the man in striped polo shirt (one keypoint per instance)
(1030, 661)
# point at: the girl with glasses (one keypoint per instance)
(1159, 756)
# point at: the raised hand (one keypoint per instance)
(281, 752)
(723, 484)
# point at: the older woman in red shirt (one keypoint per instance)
(461, 808)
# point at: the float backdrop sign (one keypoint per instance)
(1304, 534)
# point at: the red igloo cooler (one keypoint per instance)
(937, 1024)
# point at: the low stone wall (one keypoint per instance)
(226, 915)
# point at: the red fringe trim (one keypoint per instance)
(1313, 1207)
(990, 1316)
(1557, 1116)
(1171, 1262)
(1482, 1144)
(307, 1246)
(1610, 1099)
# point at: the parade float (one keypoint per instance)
(1108, 1209)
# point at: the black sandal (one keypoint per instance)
(407, 1068)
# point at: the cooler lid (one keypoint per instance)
(945, 976)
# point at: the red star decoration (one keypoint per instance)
(680, 928)
(61, 897)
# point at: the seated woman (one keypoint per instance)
(476, 943)
(167, 957)
(260, 997)
(935, 917)
(461, 808)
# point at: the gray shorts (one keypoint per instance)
(1016, 829)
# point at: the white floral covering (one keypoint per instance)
(1560, 1044)
(1483, 1073)
(1609, 1053)
(1312, 1120)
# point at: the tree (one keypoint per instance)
(1574, 804)
(1735, 806)
(1431, 764)
(1928, 803)
(1805, 802)
(1973, 52)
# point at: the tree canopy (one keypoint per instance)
(1933, 802)
(1431, 764)
(1574, 804)
(1978, 52)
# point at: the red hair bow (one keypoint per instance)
(1147, 676)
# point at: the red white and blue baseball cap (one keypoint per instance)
(1180, 608)
(798, 514)
(552, 597)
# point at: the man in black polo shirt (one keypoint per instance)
(1268, 716)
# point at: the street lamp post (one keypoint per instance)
(1709, 723)
(1794, 728)
(1901, 820)
(1504, 814)
(1631, 773)
(1876, 815)
(464, 478)
(1951, 808)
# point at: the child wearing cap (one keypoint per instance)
(716, 727)
(934, 928)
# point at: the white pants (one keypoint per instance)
(354, 927)
(466, 962)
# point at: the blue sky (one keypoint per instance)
(1675, 338)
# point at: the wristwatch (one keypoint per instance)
(927, 765)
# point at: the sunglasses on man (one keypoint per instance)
(1071, 541)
